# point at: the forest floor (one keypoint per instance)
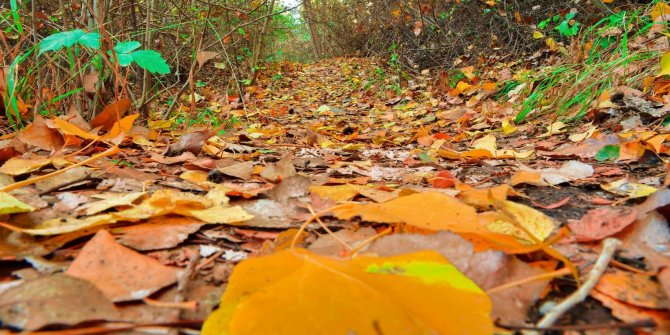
(149, 235)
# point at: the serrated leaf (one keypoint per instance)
(127, 47)
(365, 295)
(67, 39)
(90, 40)
(151, 61)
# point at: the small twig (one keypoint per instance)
(610, 245)
(109, 152)
(622, 325)
(553, 274)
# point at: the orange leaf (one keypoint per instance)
(111, 114)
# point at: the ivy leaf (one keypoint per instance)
(151, 61)
(67, 39)
(608, 152)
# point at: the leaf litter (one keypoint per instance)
(359, 214)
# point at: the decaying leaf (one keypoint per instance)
(602, 222)
(54, 300)
(120, 273)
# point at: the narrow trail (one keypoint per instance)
(509, 206)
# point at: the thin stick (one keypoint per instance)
(553, 274)
(625, 325)
(109, 152)
(610, 245)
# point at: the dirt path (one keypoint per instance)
(317, 136)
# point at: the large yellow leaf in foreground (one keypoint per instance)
(428, 210)
(297, 292)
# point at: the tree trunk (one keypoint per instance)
(313, 31)
(260, 44)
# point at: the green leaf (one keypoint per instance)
(67, 39)
(90, 40)
(127, 47)
(151, 61)
(608, 152)
(124, 59)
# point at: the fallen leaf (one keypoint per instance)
(429, 210)
(531, 220)
(157, 233)
(366, 295)
(625, 188)
(634, 289)
(600, 223)
(54, 300)
(10, 205)
(120, 273)
(38, 134)
(111, 114)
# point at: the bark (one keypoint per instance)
(313, 31)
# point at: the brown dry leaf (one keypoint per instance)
(630, 313)
(66, 178)
(634, 289)
(211, 208)
(331, 244)
(157, 233)
(90, 81)
(602, 222)
(111, 114)
(204, 56)
(54, 300)
(242, 171)
(40, 135)
(569, 171)
(120, 273)
(191, 142)
(281, 170)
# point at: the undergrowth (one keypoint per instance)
(601, 59)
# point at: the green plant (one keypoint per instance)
(572, 87)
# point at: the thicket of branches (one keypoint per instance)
(237, 37)
(229, 43)
(433, 33)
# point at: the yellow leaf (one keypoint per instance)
(665, 65)
(337, 193)
(10, 205)
(527, 177)
(508, 127)
(487, 147)
(17, 166)
(537, 35)
(554, 129)
(631, 190)
(481, 198)
(211, 208)
(531, 220)
(298, 292)
(582, 136)
(429, 210)
(553, 46)
(661, 9)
